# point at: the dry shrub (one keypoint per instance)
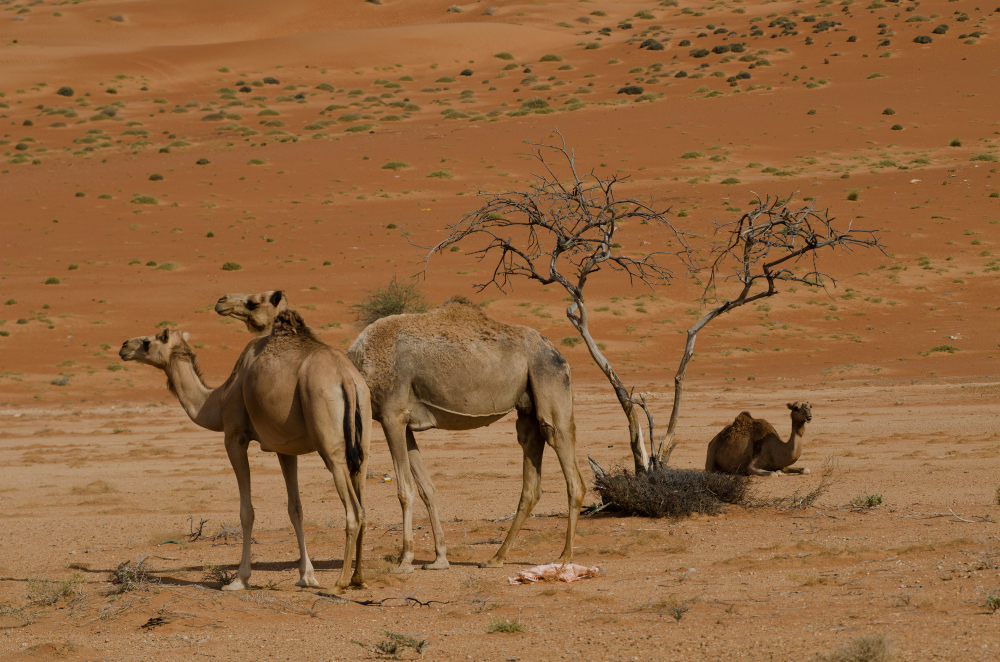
(670, 492)
(873, 648)
(130, 576)
(800, 500)
(393, 299)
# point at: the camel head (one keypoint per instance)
(801, 411)
(257, 311)
(154, 350)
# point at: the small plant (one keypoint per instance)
(52, 280)
(395, 165)
(504, 55)
(896, 127)
(155, 177)
(996, 495)
(674, 606)
(144, 200)
(992, 600)
(202, 161)
(730, 180)
(865, 501)
(955, 142)
(65, 91)
(950, 349)
(550, 57)
(888, 111)
(573, 341)
(130, 577)
(256, 162)
(991, 158)
(874, 648)
(922, 39)
(853, 194)
(49, 592)
(507, 626)
(231, 266)
(441, 174)
(394, 299)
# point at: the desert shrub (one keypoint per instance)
(395, 165)
(896, 127)
(941, 29)
(498, 624)
(699, 52)
(730, 180)
(535, 103)
(156, 177)
(550, 57)
(52, 280)
(394, 299)
(202, 161)
(130, 576)
(631, 89)
(670, 492)
(394, 644)
(872, 648)
(867, 500)
(441, 174)
(504, 55)
(922, 39)
(49, 592)
(684, 42)
(992, 601)
(231, 266)
(144, 200)
(992, 158)
(681, 74)
(853, 195)
(888, 111)
(65, 91)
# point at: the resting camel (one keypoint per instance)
(752, 446)
(456, 369)
(294, 395)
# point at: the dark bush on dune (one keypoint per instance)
(669, 492)
(631, 89)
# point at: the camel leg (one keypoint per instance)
(529, 435)
(710, 455)
(565, 446)
(358, 482)
(395, 435)
(425, 486)
(237, 451)
(290, 471)
(796, 470)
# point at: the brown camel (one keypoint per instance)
(457, 369)
(294, 395)
(454, 368)
(752, 446)
(257, 311)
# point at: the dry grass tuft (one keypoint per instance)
(871, 648)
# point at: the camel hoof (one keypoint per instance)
(805, 471)
(308, 582)
(439, 564)
(492, 563)
(359, 585)
(235, 585)
(402, 569)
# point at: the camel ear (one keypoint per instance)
(276, 297)
(791, 405)
(163, 336)
(185, 335)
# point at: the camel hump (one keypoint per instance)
(460, 300)
(290, 323)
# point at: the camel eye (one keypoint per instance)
(145, 345)
(251, 305)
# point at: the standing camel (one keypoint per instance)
(457, 369)
(752, 446)
(294, 395)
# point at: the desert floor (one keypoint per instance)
(148, 144)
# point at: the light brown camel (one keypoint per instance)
(752, 446)
(257, 311)
(294, 395)
(457, 369)
(454, 368)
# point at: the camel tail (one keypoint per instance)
(353, 431)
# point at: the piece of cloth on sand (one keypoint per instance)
(555, 572)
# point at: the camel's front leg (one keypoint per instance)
(425, 486)
(395, 436)
(290, 470)
(796, 470)
(236, 448)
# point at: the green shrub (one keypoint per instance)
(888, 111)
(692, 155)
(155, 177)
(853, 194)
(441, 174)
(394, 299)
(65, 91)
(138, 199)
(730, 180)
(874, 648)
(992, 158)
(395, 165)
(504, 55)
(955, 142)
(498, 624)
(231, 266)
(52, 280)
(550, 57)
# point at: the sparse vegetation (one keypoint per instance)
(396, 298)
(871, 648)
(667, 492)
(231, 266)
(504, 625)
(130, 576)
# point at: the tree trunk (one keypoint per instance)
(577, 314)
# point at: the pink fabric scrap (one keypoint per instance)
(555, 572)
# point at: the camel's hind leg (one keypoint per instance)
(710, 455)
(563, 440)
(796, 470)
(236, 448)
(425, 486)
(290, 471)
(324, 413)
(529, 435)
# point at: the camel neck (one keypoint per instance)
(199, 401)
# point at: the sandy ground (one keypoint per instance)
(201, 134)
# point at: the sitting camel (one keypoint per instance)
(456, 369)
(752, 446)
(293, 394)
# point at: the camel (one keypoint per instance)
(454, 368)
(752, 446)
(257, 311)
(457, 369)
(294, 395)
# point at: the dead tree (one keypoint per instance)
(562, 230)
(771, 244)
